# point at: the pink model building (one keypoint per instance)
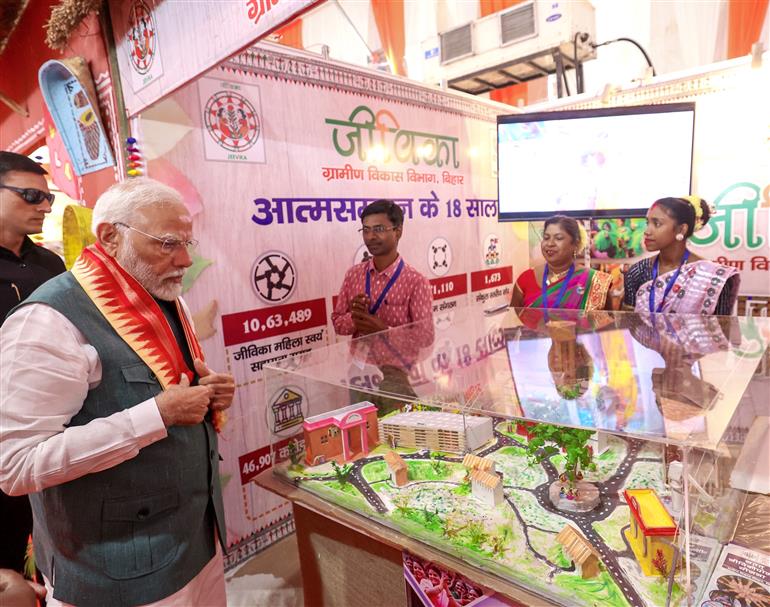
(342, 435)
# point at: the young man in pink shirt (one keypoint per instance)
(383, 291)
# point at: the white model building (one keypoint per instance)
(436, 430)
(487, 487)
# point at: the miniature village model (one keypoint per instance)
(481, 491)
(436, 430)
(341, 435)
(490, 458)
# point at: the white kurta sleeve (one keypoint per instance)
(46, 370)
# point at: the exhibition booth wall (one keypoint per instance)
(277, 153)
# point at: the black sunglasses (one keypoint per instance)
(31, 195)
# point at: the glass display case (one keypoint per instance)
(595, 458)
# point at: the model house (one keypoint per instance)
(474, 462)
(579, 549)
(436, 430)
(487, 487)
(341, 435)
(398, 470)
(652, 531)
(523, 428)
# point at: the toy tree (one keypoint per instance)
(453, 526)
(476, 533)
(548, 440)
(294, 452)
(401, 502)
(660, 564)
(342, 472)
(438, 466)
(500, 540)
(431, 517)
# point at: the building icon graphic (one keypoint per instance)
(287, 410)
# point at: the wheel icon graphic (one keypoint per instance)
(274, 277)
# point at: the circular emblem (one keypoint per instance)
(142, 39)
(439, 256)
(492, 250)
(274, 277)
(231, 121)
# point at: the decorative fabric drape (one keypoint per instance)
(524, 93)
(487, 7)
(744, 25)
(291, 34)
(512, 94)
(697, 25)
(389, 17)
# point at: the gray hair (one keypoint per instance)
(120, 202)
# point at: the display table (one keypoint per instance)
(455, 438)
(347, 559)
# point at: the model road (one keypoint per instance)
(356, 479)
(608, 492)
(608, 501)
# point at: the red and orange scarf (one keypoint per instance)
(137, 317)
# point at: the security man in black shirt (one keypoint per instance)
(24, 202)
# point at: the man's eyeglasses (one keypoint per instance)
(31, 195)
(376, 230)
(167, 245)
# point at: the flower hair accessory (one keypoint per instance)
(696, 202)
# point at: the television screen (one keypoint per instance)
(611, 162)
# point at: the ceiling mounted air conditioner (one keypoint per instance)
(527, 41)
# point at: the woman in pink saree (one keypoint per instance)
(561, 282)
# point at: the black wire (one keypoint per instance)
(566, 84)
(578, 84)
(636, 44)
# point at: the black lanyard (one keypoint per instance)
(669, 286)
(373, 309)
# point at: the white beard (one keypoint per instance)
(156, 285)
